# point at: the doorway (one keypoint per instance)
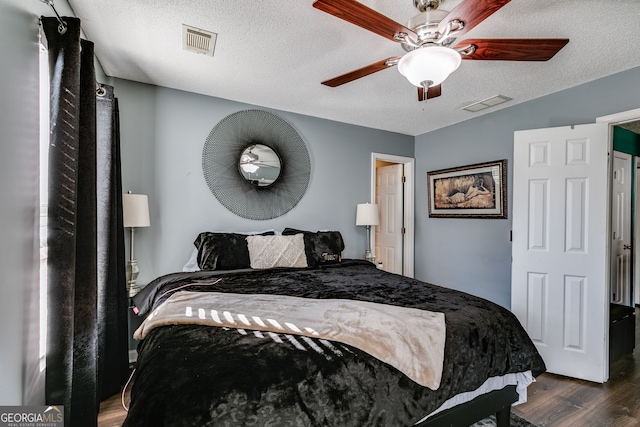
(396, 211)
(626, 123)
(627, 139)
(561, 251)
(625, 237)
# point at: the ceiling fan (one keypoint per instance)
(250, 162)
(428, 39)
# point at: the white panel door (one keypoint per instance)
(636, 276)
(389, 193)
(621, 252)
(560, 264)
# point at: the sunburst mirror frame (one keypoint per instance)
(221, 155)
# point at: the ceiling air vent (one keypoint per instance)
(486, 103)
(197, 40)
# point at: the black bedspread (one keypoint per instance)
(192, 375)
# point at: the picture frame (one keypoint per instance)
(473, 191)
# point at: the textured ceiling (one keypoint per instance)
(274, 54)
(632, 126)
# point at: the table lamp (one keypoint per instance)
(367, 215)
(135, 213)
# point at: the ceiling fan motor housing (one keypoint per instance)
(424, 5)
(425, 25)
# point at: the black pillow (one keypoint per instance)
(321, 247)
(223, 251)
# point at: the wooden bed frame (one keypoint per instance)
(497, 402)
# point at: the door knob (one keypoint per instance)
(626, 247)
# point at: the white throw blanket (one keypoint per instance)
(408, 339)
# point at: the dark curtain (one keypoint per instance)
(113, 343)
(86, 290)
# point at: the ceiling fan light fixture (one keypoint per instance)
(249, 167)
(429, 64)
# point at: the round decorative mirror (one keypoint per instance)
(259, 165)
(256, 164)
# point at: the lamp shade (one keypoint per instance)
(135, 210)
(431, 64)
(367, 214)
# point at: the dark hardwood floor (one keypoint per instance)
(560, 401)
(112, 414)
(553, 400)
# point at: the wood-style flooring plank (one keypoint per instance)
(112, 413)
(557, 401)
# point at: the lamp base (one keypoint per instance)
(132, 275)
(368, 256)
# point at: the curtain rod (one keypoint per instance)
(62, 28)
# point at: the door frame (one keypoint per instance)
(407, 209)
(621, 117)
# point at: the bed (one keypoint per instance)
(203, 361)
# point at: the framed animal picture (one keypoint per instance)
(472, 191)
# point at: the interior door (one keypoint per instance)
(560, 264)
(636, 275)
(621, 249)
(389, 191)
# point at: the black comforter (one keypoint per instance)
(192, 375)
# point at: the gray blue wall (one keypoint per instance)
(163, 132)
(19, 159)
(474, 255)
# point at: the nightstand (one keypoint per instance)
(133, 322)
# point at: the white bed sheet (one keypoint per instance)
(521, 380)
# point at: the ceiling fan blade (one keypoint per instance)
(363, 16)
(432, 92)
(361, 72)
(472, 12)
(514, 49)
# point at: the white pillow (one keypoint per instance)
(192, 264)
(277, 251)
